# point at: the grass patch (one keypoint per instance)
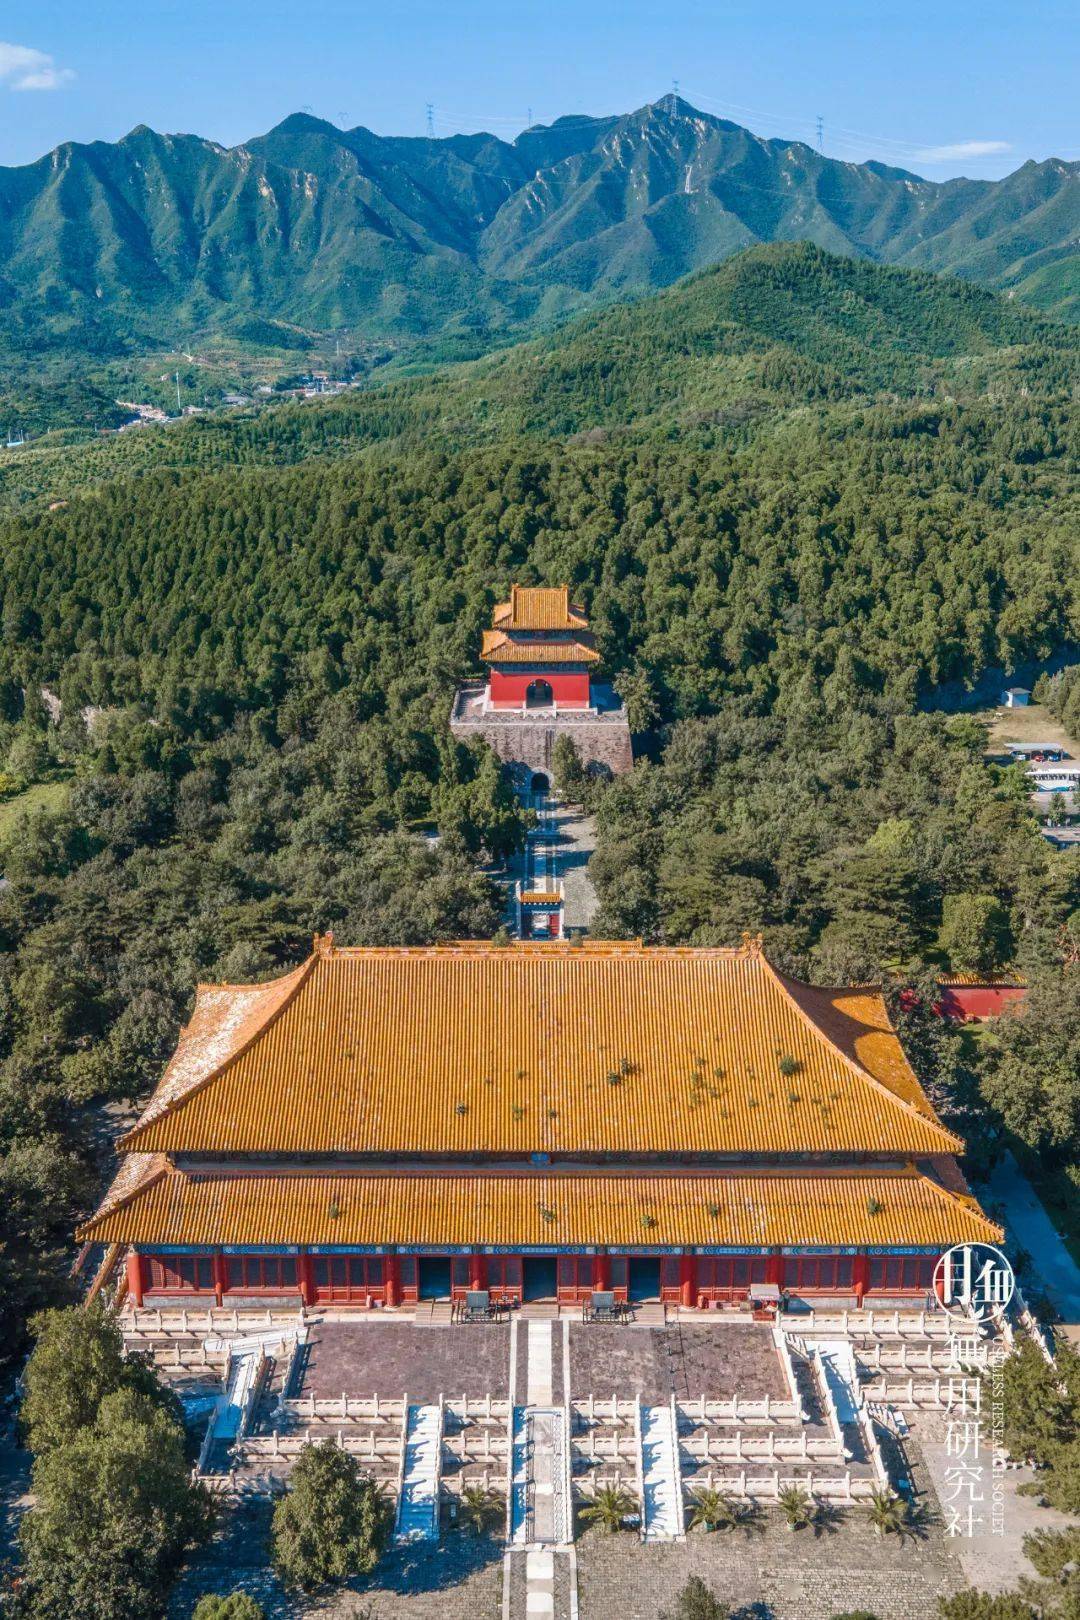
(38, 796)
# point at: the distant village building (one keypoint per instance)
(384, 1126)
(542, 660)
(1015, 697)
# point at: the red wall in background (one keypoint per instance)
(977, 1000)
(569, 688)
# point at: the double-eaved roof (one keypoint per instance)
(563, 1049)
(539, 625)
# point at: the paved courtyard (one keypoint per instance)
(459, 1579)
(685, 1360)
(769, 1572)
(395, 1358)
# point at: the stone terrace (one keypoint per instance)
(395, 1358)
(685, 1360)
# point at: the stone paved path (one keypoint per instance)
(1029, 1225)
(992, 1560)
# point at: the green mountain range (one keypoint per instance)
(311, 230)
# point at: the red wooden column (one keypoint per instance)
(687, 1280)
(305, 1272)
(601, 1273)
(477, 1270)
(392, 1273)
(860, 1275)
(774, 1269)
(220, 1267)
(135, 1277)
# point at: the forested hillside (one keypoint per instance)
(777, 335)
(792, 494)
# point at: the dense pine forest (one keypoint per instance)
(795, 495)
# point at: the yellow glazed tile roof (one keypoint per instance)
(1008, 981)
(498, 648)
(295, 1205)
(554, 1048)
(539, 608)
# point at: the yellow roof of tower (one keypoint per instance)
(554, 1048)
(539, 607)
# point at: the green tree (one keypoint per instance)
(76, 1365)
(878, 896)
(334, 1522)
(114, 1513)
(639, 698)
(1031, 1068)
(571, 779)
(974, 932)
(238, 1605)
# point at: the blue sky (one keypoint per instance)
(942, 89)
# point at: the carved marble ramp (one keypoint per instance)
(540, 1512)
(418, 1509)
(660, 1474)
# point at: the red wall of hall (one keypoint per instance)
(570, 688)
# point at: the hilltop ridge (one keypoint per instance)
(108, 245)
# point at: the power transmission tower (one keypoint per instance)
(820, 133)
(528, 121)
(430, 107)
(179, 408)
(674, 93)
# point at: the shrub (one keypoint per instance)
(697, 1602)
(237, 1605)
(333, 1523)
(611, 1506)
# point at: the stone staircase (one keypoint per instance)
(434, 1313)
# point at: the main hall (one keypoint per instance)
(381, 1126)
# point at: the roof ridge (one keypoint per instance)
(856, 1067)
(554, 947)
(130, 1139)
(159, 1165)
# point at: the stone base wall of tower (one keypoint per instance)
(525, 742)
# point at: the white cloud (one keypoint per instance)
(23, 68)
(959, 150)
